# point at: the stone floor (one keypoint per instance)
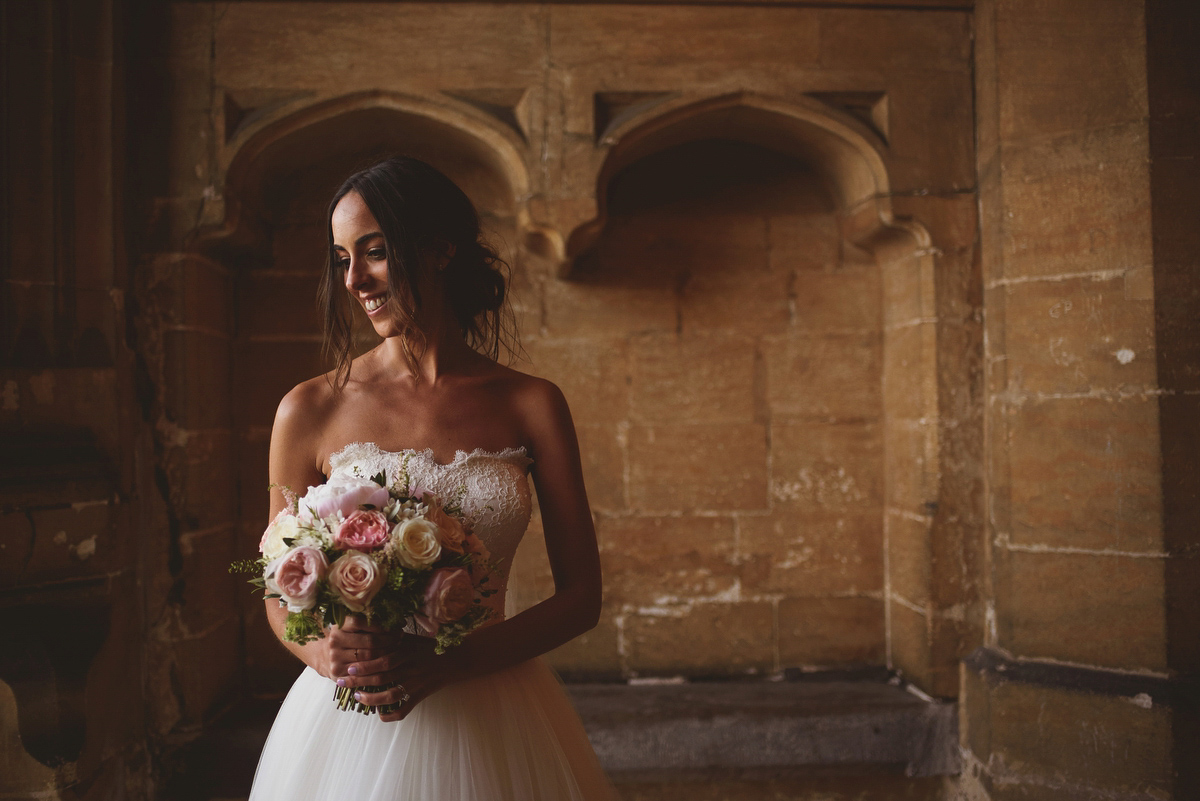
(833, 739)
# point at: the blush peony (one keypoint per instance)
(343, 495)
(362, 531)
(355, 579)
(294, 577)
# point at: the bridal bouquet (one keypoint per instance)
(394, 554)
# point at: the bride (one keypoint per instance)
(487, 719)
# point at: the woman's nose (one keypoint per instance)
(356, 276)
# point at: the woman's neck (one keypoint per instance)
(445, 352)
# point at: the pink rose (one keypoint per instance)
(294, 577)
(362, 531)
(450, 529)
(448, 596)
(355, 578)
(341, 494)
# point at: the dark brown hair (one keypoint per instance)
(419, 210)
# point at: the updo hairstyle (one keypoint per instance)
(420, 210)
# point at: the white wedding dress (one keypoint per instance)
(509, 736)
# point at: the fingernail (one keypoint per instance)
(352, 670)
(358, 696)
(341, 682)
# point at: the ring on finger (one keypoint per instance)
(404, 696)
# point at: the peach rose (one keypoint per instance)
(294, 577)
(448, 596)
(273, 544)
(362, 531)
(355, 579)
(450, 528)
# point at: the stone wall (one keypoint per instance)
(878, 322)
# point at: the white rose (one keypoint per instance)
(417, 544)
(272, 545)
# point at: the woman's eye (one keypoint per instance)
(377, 253)
(343, 264)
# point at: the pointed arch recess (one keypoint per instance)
(262, 148)
(845, 152)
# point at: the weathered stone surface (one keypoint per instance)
(278, 304)
(910, 643)
(1093, 610)
(592, 655)
(699, 378)
(739, 302)
(1106, 226)
(830, 631)
(841, 301)
(594, 310)
(910, 557)
(799, 552)
(666, 560)
(593, 374)
(910, 453)
(1087, 93)
(1084, 474)
(682, 467)
(198, 392)
(1078, 336)
(825, 376)
(909, 386)
(827, 467)
(707, 638)
(603, 454)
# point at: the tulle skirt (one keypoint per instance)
(508, 736)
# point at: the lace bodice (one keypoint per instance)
(490, 486)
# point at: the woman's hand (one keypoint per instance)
(417, 671)
(354, 641)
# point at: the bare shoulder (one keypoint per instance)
(306, 404)
(540, 405)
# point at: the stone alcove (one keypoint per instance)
(827, 391)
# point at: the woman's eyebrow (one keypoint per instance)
(365, 237)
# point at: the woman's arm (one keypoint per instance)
(295, 465)
(574, 561)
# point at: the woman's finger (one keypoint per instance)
(358, 672)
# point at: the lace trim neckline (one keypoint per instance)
(461, 457)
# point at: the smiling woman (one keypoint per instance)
(400, 235)
(430, 410)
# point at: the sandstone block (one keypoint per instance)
(208, 670)
(909, 377)
(1095, 610)
(827, 467)
(910, 645)
(1105, 224)
(1104, 743)
(910, 463)
(576, 309)
(195, 292)
(298, 248)
(738, 302)
(593, 374)
(841, 301)
(209, 590)
(197, 368)
(830, 631)
(1086, 92)
(660, 560)
(909, 557)
(277, 304)
(1085, 473)
(1078, 335)
(700, 379)
(826, 376)
(805, 242)
(67, 543)
(685, 467)
(603, 456)
(710, 638)
(905, 289)
(797, 552)
(266, 371)
(206, 480)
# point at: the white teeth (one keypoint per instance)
(374, 303)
